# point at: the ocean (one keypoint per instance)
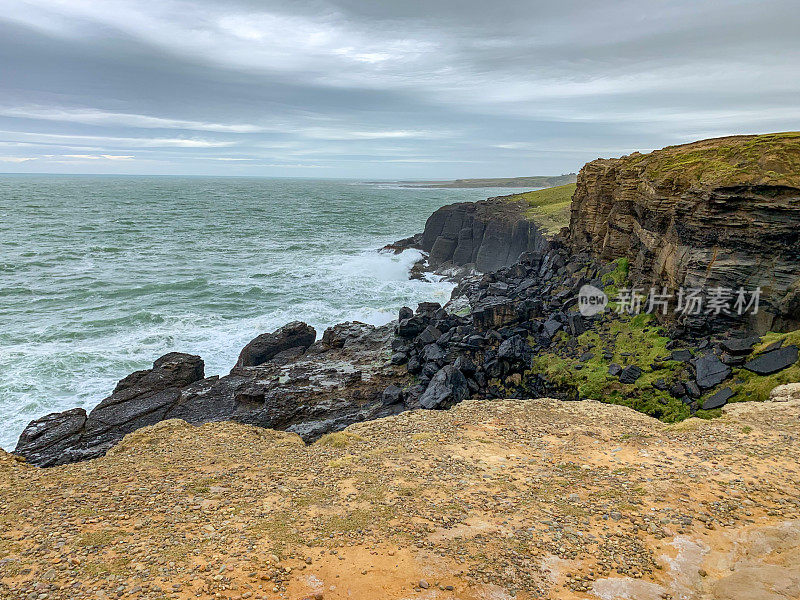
(100, 275)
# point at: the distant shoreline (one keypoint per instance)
(536, 181)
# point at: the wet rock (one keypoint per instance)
(142, 398)
(267, 345)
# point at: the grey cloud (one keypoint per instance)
(453, 88)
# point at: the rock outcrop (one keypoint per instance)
(311, 391)
(294, 337)
(716, 213)
(140, 399)
(485, 235)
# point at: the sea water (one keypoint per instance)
(99, 276)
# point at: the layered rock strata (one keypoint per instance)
(721, 213)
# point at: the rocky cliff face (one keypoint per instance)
(722, 212)
(488, 235)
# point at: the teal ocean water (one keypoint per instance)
(99, 276)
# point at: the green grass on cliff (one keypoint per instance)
(771, 158)
(548, 208)
(635, 341)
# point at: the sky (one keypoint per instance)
(384, 89)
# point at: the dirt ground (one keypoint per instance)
(490, 500)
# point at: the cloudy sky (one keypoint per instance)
(384, 88)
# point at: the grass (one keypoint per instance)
(773, 158)
(549, 208)
(637, 342)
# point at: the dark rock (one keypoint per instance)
(576, 324)
(516, 350)
(411, 327)
(661, 385)
(399, 358)
(614, 370)
(140, 399)
(692, 389)
(630, 374)
(773, 361)
(433, 353)
(718, 399)
(429, 335)
(737, 346)
(711, 371)
(550, 327)
(46, 439)
(414, 365)
(267, 345)
(465, 365)
(681, 355)
(392, 395)
(448, 387)
(678, 390)
(586, 356)
(405, 313)
(494, 311)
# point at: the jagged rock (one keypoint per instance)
(614, 370)
(692, 389)
(630, 374)
(399, 358)
(410, 327)
(465, 365)
(711, 371)
(267, 345)
(719, 399)
(46, 439)
(142, 398)
(771, 362)
(494, 311)
(515, 350)
(550, 328)
(702, 215)
(448, 387)
(352, 335)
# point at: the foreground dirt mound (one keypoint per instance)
(493, 500)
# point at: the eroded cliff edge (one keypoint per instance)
(716, 213)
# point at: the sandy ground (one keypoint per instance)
(491, 500)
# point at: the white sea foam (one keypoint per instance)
(108, 274)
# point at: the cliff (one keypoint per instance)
(721, 212)
(508, 499)
(488, 235)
